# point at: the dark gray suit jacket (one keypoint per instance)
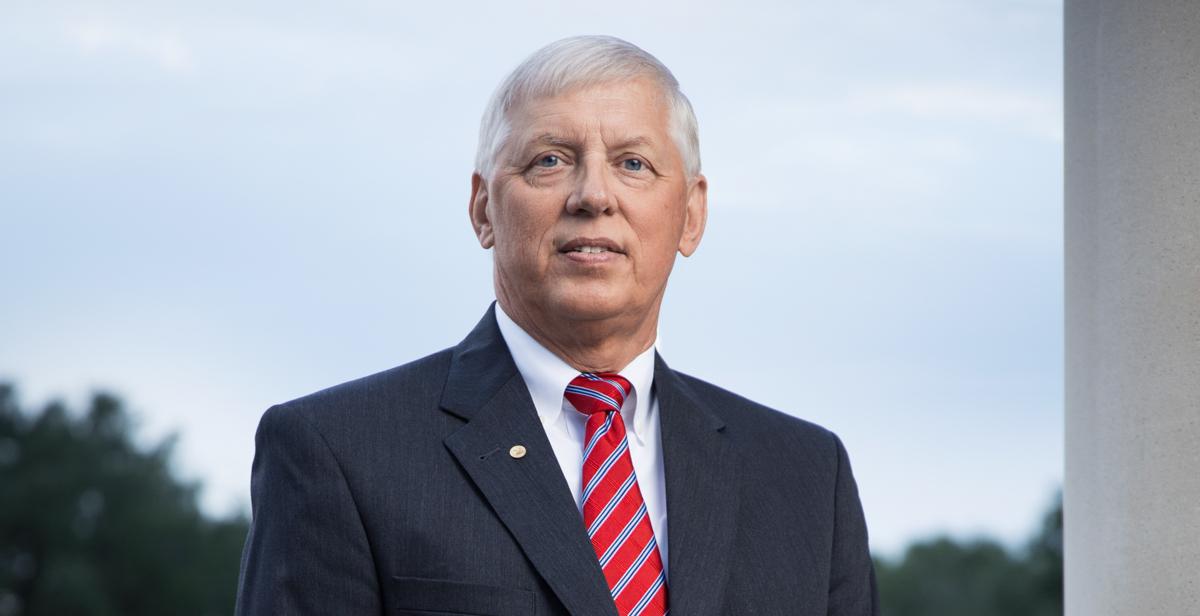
(396, 494)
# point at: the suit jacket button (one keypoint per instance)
(517, 451)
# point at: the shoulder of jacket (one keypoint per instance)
(746, 415)
(416, 380)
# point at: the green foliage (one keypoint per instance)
(92, 525)
(942, 577)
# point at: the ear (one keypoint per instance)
(695, 216)
(477, 209)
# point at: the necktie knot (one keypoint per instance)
(598, 392)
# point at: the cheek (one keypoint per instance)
(522, 226)
(658, 233)
(513, 239)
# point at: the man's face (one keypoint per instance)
(587, 204)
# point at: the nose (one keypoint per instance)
(591, 194)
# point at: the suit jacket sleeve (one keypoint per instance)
(852, 588)
(307, 550)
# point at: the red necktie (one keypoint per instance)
(613, 509)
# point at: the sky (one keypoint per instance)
(209, 208)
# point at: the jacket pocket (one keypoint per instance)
(415, 594)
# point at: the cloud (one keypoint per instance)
(1034, 113)
(165, 49)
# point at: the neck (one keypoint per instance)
(594, 345)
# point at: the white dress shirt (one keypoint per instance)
(546, 375)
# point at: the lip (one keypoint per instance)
(612, 251)
(602, 242)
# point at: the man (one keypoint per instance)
(551, 462)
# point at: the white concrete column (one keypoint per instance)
(1132, 493)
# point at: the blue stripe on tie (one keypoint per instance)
(619, 386)
(629, 573)
(645, 600)
(608, 419)
(608, 463)
(591, 393)
(612, 503)
(620, 540)
(595, 378)
(591, 376)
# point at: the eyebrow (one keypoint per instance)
(570, 142)
(632, 142)
(552, 139)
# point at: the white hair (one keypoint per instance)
(582, 61)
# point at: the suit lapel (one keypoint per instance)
(529, 493)
(702, 496)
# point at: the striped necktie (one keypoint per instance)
(613, 510)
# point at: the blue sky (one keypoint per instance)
(212, 207)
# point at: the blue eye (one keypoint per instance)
(548, 160)
(632, 164)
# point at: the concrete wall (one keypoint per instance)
(1132, 493)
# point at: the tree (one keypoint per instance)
(92, 525)
(941, 577)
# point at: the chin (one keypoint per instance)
(590, 304)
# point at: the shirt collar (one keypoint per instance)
(547, 375)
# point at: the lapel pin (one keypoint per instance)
(517, 451)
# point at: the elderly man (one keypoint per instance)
(551, 462)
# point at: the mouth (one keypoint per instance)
(590, 246)
(591, 253)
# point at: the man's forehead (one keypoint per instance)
(638, 106)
